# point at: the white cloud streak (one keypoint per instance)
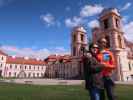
(29, 52)
(86, 11)
(126, 6)
(48, 19)
(90, 10)
(72, 22)
(93, 23)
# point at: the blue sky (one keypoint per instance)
(37, 28)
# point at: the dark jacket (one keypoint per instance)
(92, 72)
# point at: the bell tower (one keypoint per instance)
(111, 29)
(111, 26)
(78, 41)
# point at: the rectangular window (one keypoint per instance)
(25, 67)
(14, 74)
(29, 67)
(37, 74)
(42, 74)
(29, 75)
(20, 67)
(15, 66)
(33, 74)
(10, 66)
(9, 74)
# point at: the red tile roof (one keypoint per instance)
(2, 53)
(54, 58)
(21, 60)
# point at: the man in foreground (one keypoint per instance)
(106, 58)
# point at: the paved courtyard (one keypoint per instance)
(53, 81)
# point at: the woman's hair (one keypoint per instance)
(91, 46)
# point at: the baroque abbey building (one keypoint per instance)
(70, 66)
(110, 28)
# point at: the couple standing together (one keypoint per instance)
(98, 66)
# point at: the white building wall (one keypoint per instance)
(2, 64)
(13, 70)
(126, 66)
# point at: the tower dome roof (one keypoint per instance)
(109, 10)
(79, 28)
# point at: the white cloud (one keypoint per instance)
(125, 19)
(48, 19)
(25, 52)
(86, 11)
(72, 22)
(90, 10)
(126, 6)
(60, 48)
(29, 52)
(93, 23)
(128, 29)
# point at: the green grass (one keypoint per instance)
(34, 92)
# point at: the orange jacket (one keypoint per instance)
(106, 57)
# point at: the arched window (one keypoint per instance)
(82, 37)
(119, 41)
(10, 66)
(117, 23)
(2, 58)
(9, 74)
(106, 24)
(25, 67)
